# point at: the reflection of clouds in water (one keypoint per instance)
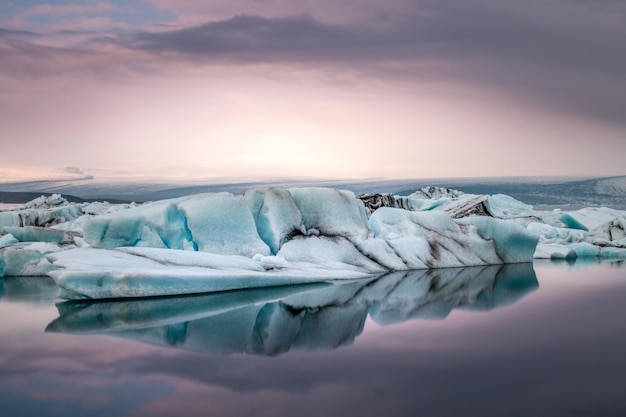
(39, 290)
(553, 358)
(308, 318)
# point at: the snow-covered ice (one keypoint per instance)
(268, 237)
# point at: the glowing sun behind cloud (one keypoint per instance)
(399, 89)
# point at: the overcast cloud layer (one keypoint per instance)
(553, 73)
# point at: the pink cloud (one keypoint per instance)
(66, 9)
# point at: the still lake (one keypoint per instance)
(542, 339)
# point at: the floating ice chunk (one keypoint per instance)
(566, 250)
(613, 230)
(435, 193)
(10, 218)
(613, 253)
(375, 201)
(548, 233)
(553, 251)
(276, 215)
(89, 210)
(332, 212)
(590, 218)
(42, 211)
(584, 249)
(503, 206)
(7, 240)
(38, 234)
(46, 201)
(40, 217)
(457, 207)
(27, 259)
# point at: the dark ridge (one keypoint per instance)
(542, 192)
(10, 197)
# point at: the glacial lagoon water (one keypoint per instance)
(542, 339)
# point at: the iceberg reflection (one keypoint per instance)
(272, 321)
(32, 290)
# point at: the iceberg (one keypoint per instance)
(38, 234)
(588, 232)
(27, 259)
(276, 236)
(7, 240)
(456, 203)
(590, 218)
(270, 237)
(42, 211)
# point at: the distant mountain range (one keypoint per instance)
(544, 191)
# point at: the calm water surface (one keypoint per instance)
(523, 340)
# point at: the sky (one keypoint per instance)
(206, 89)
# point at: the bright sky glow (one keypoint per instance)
(352, 89)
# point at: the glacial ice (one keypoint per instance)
(589, 218)
(267, 237)
(456, 203)
(7, 240)
(276, 216)
(42, 211)
(331, 212)
(37, 234)
(27, 259)
(302, 234)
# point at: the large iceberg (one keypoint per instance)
(268, 237)
(214, 242)
(588, 232)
